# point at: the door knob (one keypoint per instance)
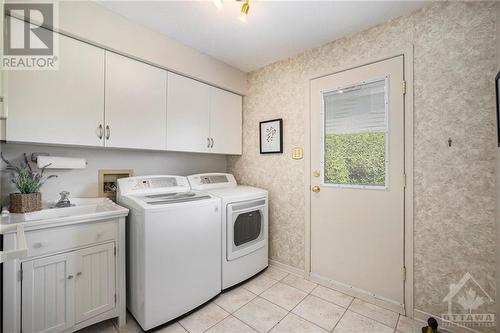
(316, 189)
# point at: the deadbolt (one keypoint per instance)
(316, 189)
(316, 173)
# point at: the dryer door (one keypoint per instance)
(246, 227)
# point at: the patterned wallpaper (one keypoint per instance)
(454, 62)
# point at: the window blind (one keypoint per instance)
(356, 109)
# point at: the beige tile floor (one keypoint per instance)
(276, 301)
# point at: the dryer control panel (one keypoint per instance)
(206, 181)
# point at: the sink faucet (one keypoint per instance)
(63, 200)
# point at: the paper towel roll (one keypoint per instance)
(57, 162)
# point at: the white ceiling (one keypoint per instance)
(274, 29)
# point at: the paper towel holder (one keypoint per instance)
(34, 156)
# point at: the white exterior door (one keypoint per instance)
(225, 122)
(136, 104)
(188, 114)
(48, 294)
(64, 106)
(94, 281)
(357, 181)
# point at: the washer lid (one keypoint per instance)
(170, 198)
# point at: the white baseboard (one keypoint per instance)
(358, 293)
(448, 327)
(286, 268)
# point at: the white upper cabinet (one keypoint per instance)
(136, 104)
(188, 114)
(225, 122)
(64, 106)
(103, 99)
(201, 118)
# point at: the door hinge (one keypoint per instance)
(21, 275)
(404, 180)
(404, 273)
(115, 298)
(403, 85)
(114, 251)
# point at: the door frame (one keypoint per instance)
(407, 53)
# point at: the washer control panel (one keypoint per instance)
(141, 184)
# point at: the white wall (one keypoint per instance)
(83, 182)
(93, 23)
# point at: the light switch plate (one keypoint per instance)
(297, 153)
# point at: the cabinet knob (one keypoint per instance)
(79, 273)
(41, 244)
(70, 277)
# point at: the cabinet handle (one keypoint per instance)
(208, 142)
(100, 131)
(108, 132)
(70, 277)
(212, 145)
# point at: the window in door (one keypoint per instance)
(355, 135)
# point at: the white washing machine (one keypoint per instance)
(174, 246)
(244, 225)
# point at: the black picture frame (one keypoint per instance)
(279, 122)
(497, 93)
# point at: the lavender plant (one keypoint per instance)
(28, 179)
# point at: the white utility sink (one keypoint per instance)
(83, 210)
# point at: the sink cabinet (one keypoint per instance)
(72, 277)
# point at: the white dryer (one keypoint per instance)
(244, 225)
(174, 246)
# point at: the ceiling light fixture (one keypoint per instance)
(244, 11)
(245, 7)
(218, 4)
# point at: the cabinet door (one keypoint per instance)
(64, 106)
(48, 294)
(225, 121)
(136, 104)
(95, 281)
(188, 112)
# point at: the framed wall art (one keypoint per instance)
(271, 136)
